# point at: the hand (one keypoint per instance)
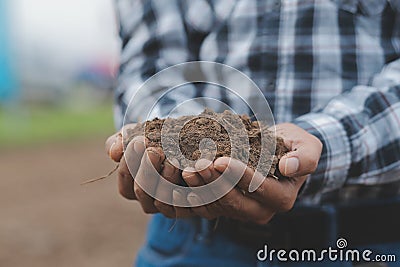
(137, 163)
(272, 195)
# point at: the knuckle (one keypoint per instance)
(140, 194)
(159, 205)
(123, 192)
(261, 191)
(317, 142)
(203, 212)
(210, 216)
(148, 210)
(181, 212)
(108, 142)
(123, 175)
(263, 220)
(125, 186)
(311, 163)
(164, 209)
(286, 203)
(231, 204)
(217, 209)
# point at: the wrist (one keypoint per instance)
(335, 158)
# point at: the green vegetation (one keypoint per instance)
(37, 125)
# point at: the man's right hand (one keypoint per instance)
(137, 163)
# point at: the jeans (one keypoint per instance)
(192, 242)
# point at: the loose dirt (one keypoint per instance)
(211, 135)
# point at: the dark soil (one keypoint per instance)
(223, 134)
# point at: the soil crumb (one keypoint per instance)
(211, 135)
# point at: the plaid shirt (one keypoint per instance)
(330, 66)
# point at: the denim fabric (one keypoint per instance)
(184, 243)
(188, 243)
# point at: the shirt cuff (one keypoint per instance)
(335, 158)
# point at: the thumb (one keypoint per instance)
(115, 143)
(302, 161)
(114, 147)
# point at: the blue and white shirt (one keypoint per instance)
(330, 66)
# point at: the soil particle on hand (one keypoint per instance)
(211, 135)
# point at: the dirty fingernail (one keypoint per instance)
(138, 146)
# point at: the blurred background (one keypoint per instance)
(58, 61)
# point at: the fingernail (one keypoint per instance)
(203, 167)
(154, 154)
(221, 164)
(220, 168)
(138, 147)
(291, 165)
(177, 196)
(206, 173)
(188, 172)
(194, 200)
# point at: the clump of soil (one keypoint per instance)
(211, 135)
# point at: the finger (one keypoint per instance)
(277, 194)
(114, 147)
(209, 174)
(165, 209)
(169, 174)
(147, 177)
(205, 169)
(134, 153)
(305, 151)
(127, 171)
(245, 208)
(163, 193)
(179, 200)
(235, 168)
(192, 177)
(146, 202)
(233, 204)
(125, 181)
(302, 161)
(206, 174)
(199, 209)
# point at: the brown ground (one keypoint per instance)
(48, 219)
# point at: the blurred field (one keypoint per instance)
(43, 124)
(47, 218)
